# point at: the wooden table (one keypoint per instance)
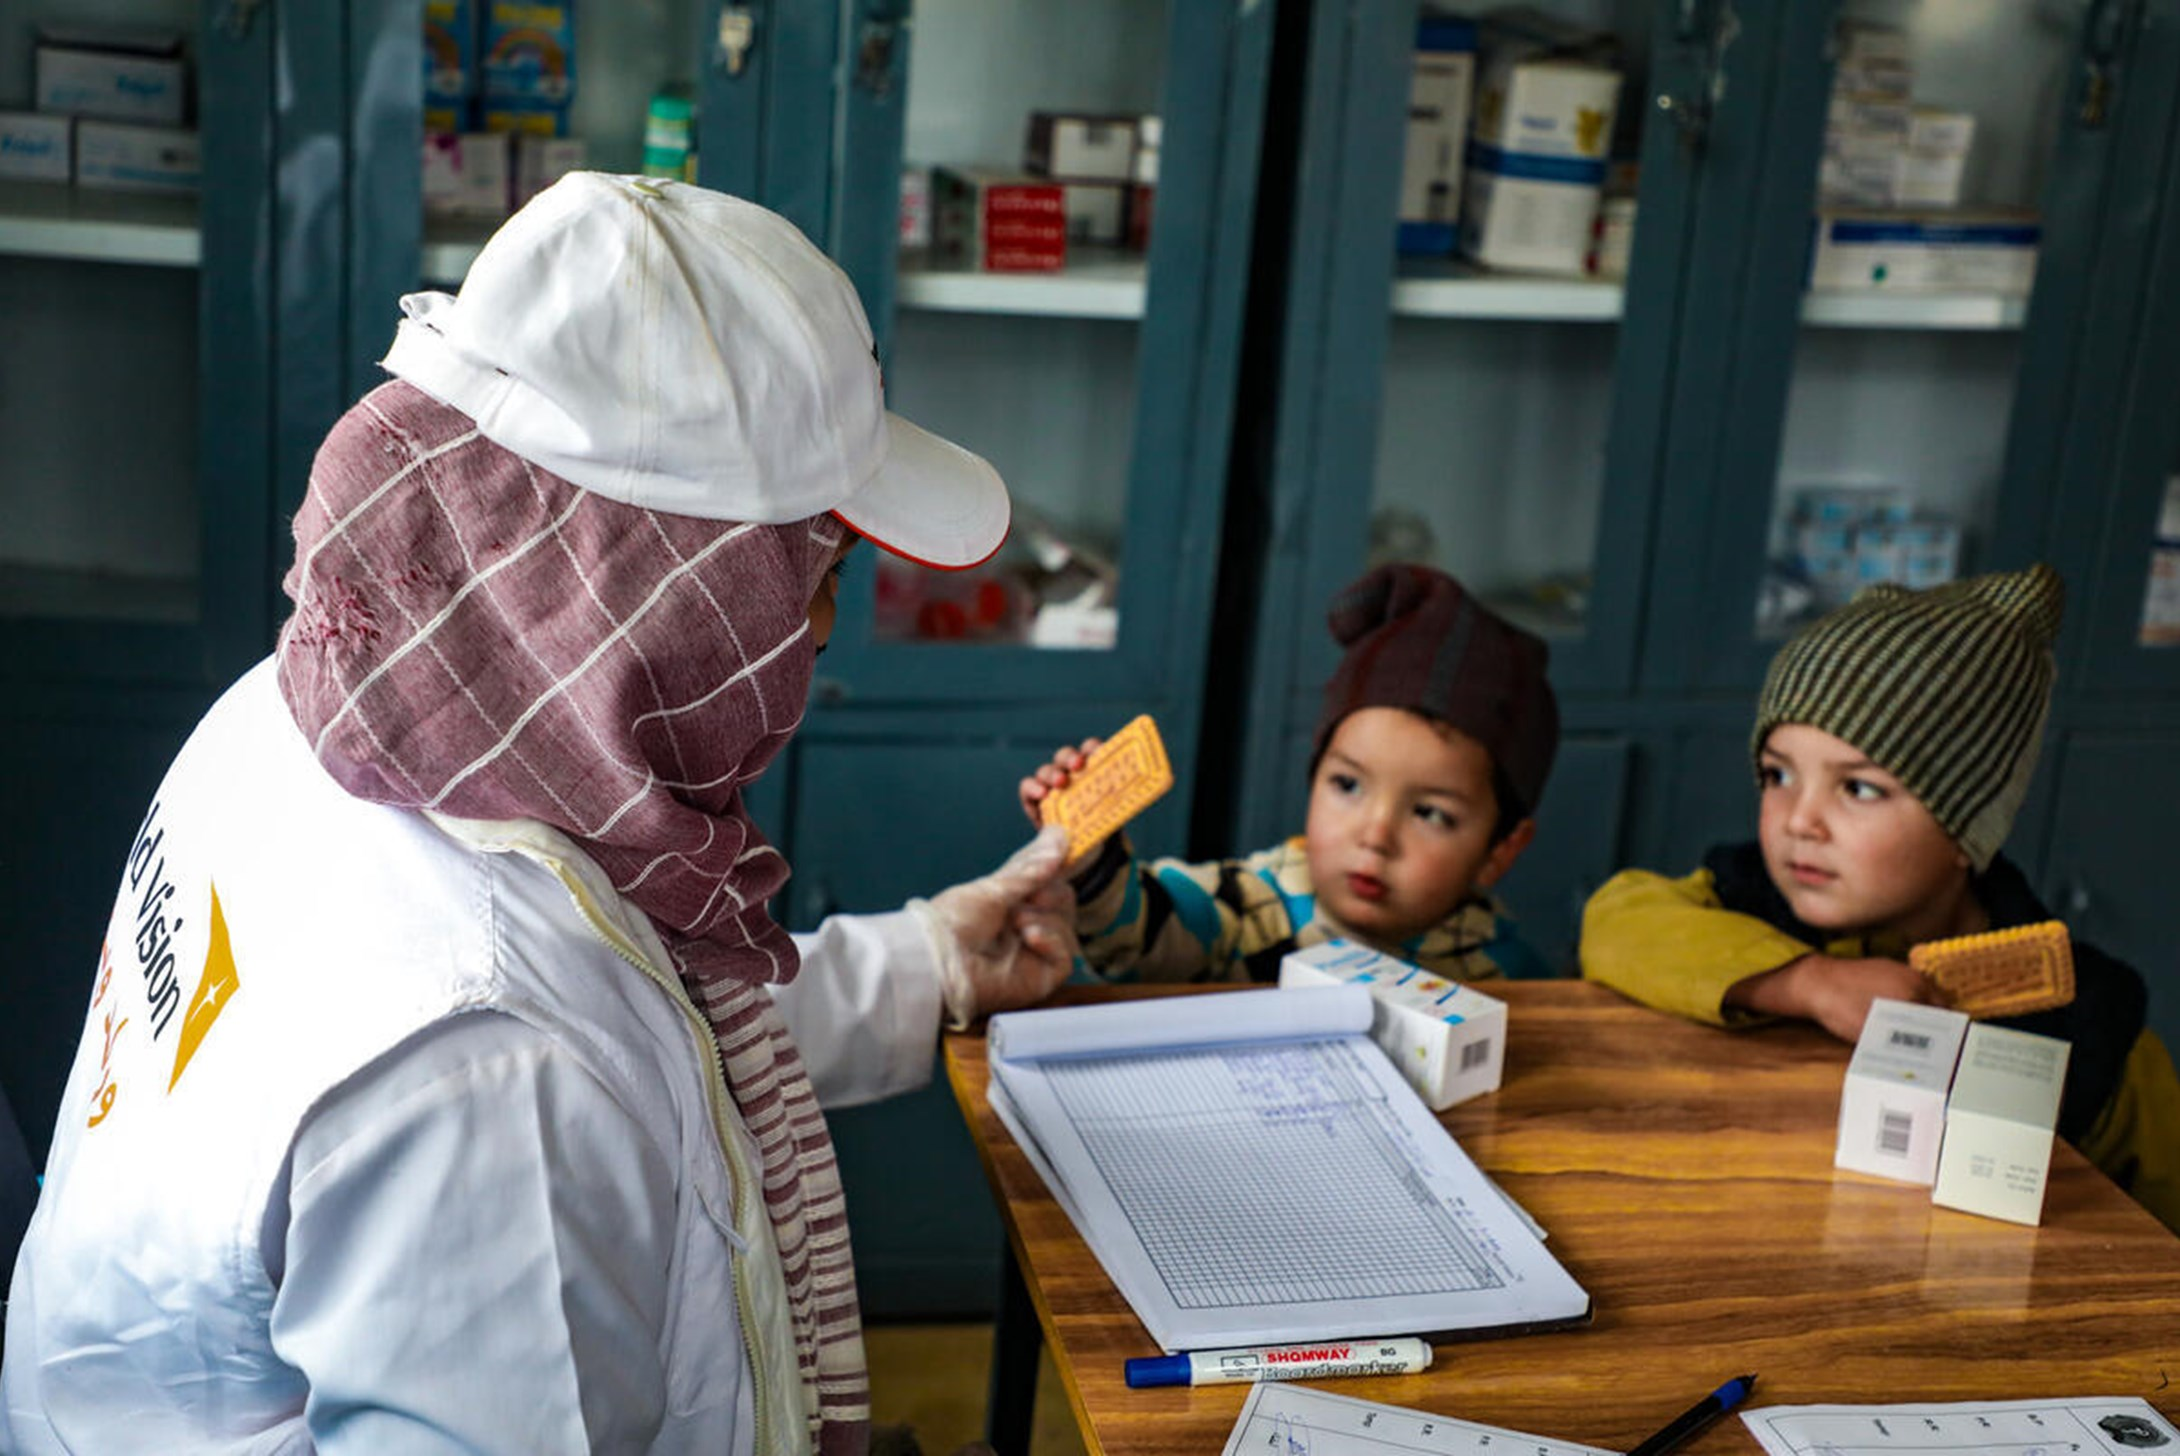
(1685, 1176)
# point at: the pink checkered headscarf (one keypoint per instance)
(475, 635)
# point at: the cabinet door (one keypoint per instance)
(874, 823)
(1900, 396)
(2111, 863)
(1506, 426)
(1100, 389)
(135, 394)
(1577, 848)
(2123, 557)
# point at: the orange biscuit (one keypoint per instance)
(1126, 774)
(2002, 972)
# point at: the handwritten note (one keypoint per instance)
(1297, 1420)
(2091, 1426)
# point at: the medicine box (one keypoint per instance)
(1097, 212)
(450, 63)
(1892, 1108)
(540, 161)
(998, 221)
(1978, 251)
(1999, 1122)
(467, 174)
(1873, 60)
(34, 147)
(1447, 1038)
(113, 74)
(1074, 148)
(1536, 155)
(915, 207)
(528, 66)
(1440, 90)
(125, 158)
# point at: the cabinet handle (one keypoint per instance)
(2107, 32)
(737, 37)
(239, 16)
(2078, 900)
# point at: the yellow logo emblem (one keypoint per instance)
(215, 988)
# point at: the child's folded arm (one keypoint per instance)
(1668, 944)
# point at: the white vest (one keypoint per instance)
(273, 935)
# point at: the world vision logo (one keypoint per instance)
(215, 988)
(155, 942)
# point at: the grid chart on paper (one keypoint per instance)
(1265, 1175)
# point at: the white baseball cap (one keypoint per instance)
(689, 352)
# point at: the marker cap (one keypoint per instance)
(1157, 1370)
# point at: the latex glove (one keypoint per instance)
(1007, 939)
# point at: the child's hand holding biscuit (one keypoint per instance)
(1053, 775)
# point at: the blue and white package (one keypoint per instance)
(1448, 1039)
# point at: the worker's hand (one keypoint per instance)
(1835, 992)
(1065, 764)
(1008, 939)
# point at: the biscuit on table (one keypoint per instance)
(1126, 774)
(2002, 972)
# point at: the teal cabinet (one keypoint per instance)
(2109, 868)
(138, 409)
(1635, 469)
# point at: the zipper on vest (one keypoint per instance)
(715, 1081)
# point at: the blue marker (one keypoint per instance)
(1697, 1416)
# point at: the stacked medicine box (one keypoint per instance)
(499, 78)
(1542, 131)
(1844, 539)
(111, 111)
(1893, 181)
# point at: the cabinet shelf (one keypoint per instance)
(1460, 291)
(1096, 283)
(54, 220)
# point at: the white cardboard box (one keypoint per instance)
(1975, 251)
(540, 161)
(1892, 1107)
(138, 77)
(1536, 167)
(1440, 91)
(1447, 1038)
(136, 158)
(1999, 1122)
(1074, 148)
(34, 147)
(468, 174)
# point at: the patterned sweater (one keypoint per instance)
(1234, 919)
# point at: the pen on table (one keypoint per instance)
(1697, 1416)
(1282, 1362)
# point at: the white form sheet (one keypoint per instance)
(2068, 1427)
(1298, 1420)
(1250, 1168)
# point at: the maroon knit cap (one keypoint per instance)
(1416, 640)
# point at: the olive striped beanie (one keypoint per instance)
(1944, 689)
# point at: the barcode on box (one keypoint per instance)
(1892, 1131)
(1475, 1054)
(1914, 1041)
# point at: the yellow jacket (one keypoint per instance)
(1673, 944)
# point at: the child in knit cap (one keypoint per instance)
(1431, 752)
(1894, 741)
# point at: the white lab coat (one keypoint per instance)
(391, 1134)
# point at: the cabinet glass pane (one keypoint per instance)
(98, 380)
(1940, 129)
(1499, 374)
(1031, 365)
(2161, 597)
(625, 56)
